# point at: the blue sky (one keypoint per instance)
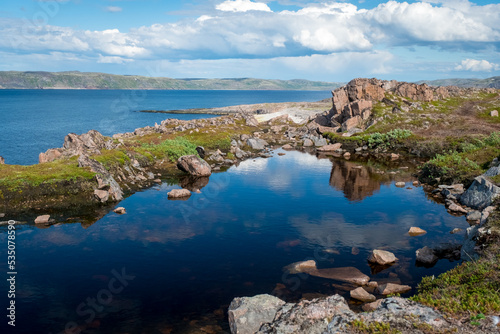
(285, 39)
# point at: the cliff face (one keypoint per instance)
(353, 103)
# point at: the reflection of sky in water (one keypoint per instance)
(192, 257)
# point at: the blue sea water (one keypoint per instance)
(174, 266)
(32, 121)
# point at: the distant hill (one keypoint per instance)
(493, 82)
(83, 80)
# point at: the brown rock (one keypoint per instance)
(416, 183)
(351, 123)
(287, 147)
(415, 231)
(101, 195)
(391, 288)
(456, 208)
(394, 156)
(382, 257)
(121, 210)
(301, 267)
(2, 161)
(365, 89)
(362, 295)
(44, 219)
(329, 148)
(179, 193)
(194, 165)
(347, 155)
(370, 307)
(343, 274)
(50, 155)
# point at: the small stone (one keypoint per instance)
(347, 155)
(281, 154)
(370, 307)
(382, 257)
(101, 195)
(179, 193)
(394, 156)
(287, 147)
(355, 251)
(426, 256)
(157, 181)
(308, 142)
(44, 219)
(121, 210)
(456, 230)
(2, 215)
(456, 208)
(414, 231)
(416, 183)
(400, 184)
(330, 148)
(362, 295)
(494, 113)
(391, 288)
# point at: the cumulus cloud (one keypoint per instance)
(242, 6)
(113, 9)
(113, 60)
(477, 66)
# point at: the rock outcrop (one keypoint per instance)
(480, 194)
(329, 315)
(352, 103)
(107, 186)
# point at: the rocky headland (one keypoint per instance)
(453, 132)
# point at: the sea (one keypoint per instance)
(175, 266)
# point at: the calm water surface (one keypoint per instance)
(33, 121)
(189, 259)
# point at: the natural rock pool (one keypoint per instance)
(174, 266)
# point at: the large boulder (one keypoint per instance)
(308, 316)
(248, 314)
(194, 165)
(480, 194)
(256, 143)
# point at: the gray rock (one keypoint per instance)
(426, 256)
(493, 171)
(468, 251)
(308, 142)
(480, 194)
(309, 317)
(105, 180)
(256, 143)
(194, 165)
(319, 141)
(474, 215)
(248, 314)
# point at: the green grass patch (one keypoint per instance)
(172, 149)
(111, 158)
(469, 289)
(14, 177)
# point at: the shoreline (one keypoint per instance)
(100, 171)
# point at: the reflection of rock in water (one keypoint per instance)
(194, 183)
(356, 182)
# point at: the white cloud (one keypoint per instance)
(113, 60)
(242, 6)
(113, 9)
(477, 66)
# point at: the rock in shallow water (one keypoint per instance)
(194, 165)
(362, 295)
(382, 257)
(179, 193)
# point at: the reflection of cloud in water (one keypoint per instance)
(250, 166)
(331, 230)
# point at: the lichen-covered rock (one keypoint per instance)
(247, 314)
(194, 165)
(480, 194)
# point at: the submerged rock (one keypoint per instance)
(426, 256)
(194, 165)
(330, 148)
(343, 274)
(362, 295)
(391, 288)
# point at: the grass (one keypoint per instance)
(110, 158)
(172, 149)
(15, 177)
(471, 158)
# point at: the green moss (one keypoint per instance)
(16, 177)
(358, 326)
(172, 149)
(110, 158)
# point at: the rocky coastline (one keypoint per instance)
(95, 172)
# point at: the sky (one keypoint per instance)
(332, 41)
